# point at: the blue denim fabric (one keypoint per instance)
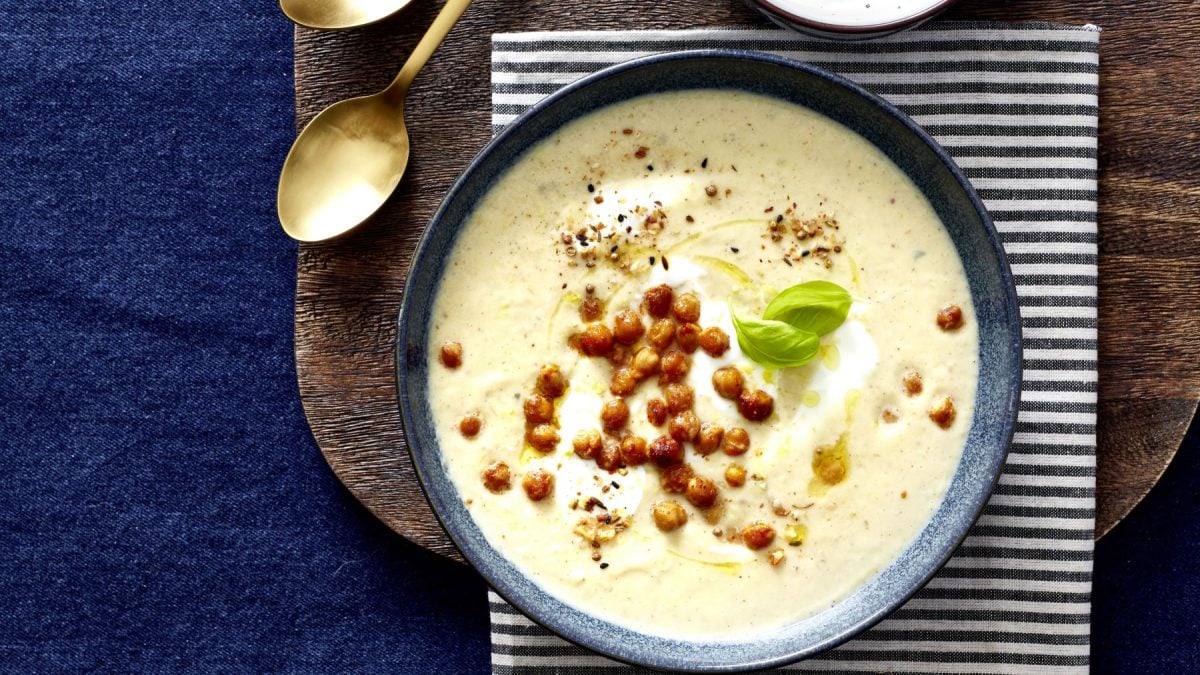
(162, 504)
(1146, 586)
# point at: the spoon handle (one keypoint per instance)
(445, 20)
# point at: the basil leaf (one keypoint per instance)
(816, 306)
(775, 344)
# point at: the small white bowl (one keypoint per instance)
(850, 19)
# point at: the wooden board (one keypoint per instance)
(348, 291)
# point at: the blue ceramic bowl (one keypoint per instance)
(992, 291)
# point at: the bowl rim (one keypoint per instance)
(860, 30)
(942, 555)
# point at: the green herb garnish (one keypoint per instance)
(775, 344)
(789, 334)
(817, 306)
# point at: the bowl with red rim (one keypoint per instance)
(850, 19)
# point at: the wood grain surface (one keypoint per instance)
(348, 291)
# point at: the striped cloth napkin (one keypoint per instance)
(1016, 105)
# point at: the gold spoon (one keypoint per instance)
(351, 156)
(340, 14)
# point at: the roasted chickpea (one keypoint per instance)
(496, 477)
(661, 333)
(624, 382)
(609, 458)
(591, 309)
(666, 451)
(674, 366)
(714, 341)
(669, 515)
(627, 327)
(619, 355)
(942, 413)
(950, 317)
(735, 475)
(686, 308)
(550, 382)
(679, 396)
(688, 337)
(538, 484)
(633, 450)
(587, 444)
(656, 412)
(758, 535)
(645, 362)
(451, 354)
(728, 382)
(737, 442)
(538, 410)
(829, 467)
(674, 479)
(543, 437)
(756, 405)
(658, 301)
(469, 425)
(596, 340)
(710, 438)
(614, 414)
(913, 383)
(701, 492)
(685, 427)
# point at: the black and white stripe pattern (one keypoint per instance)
(1016, 105)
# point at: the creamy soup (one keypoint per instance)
(598, 436)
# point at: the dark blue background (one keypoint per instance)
(162, 503)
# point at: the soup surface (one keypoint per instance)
(598, 436)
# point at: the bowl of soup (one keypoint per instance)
(850, 19)
(709, 361)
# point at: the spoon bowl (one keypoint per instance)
(342, 167)
(340, 14)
